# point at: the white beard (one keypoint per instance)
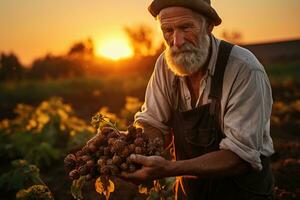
(188, 59)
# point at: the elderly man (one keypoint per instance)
(215, 100)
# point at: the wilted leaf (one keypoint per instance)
(105, 186)
(143, 190)
(99, 186)
(40, 192)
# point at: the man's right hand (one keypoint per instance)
(153, 167)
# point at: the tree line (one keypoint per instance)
(80, 60)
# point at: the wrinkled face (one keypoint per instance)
(187, 40)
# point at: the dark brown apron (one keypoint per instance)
(198, 131)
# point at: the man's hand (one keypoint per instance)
(154, 167)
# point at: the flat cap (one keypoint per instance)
(201, 6)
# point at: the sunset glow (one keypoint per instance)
(31, 31)
(114, 49)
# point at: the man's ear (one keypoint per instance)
(209, 27)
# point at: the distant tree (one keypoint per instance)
(234, 36)
(70, 65)
(84, 48)
(141, 39)
(56, 67)
(10, 67)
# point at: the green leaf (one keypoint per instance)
(153, 196)
(76, 188)
(21, 174)
(43, 154)
(99, 121)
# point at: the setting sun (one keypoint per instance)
(114, 49)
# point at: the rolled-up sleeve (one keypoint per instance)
(247, 115)
(156, 108)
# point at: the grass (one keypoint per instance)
(85, 94)
(284, 71)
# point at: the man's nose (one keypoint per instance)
(178, 39)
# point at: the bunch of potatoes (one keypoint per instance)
(108, 153)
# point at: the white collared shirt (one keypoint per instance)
(245, 106)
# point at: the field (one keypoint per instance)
(43, 120)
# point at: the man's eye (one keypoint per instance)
(185, 28)
(168, 30)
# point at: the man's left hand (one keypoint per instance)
(154, 167)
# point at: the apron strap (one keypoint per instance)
(217, 79)
(176, 92)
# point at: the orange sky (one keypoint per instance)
(32, 28)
